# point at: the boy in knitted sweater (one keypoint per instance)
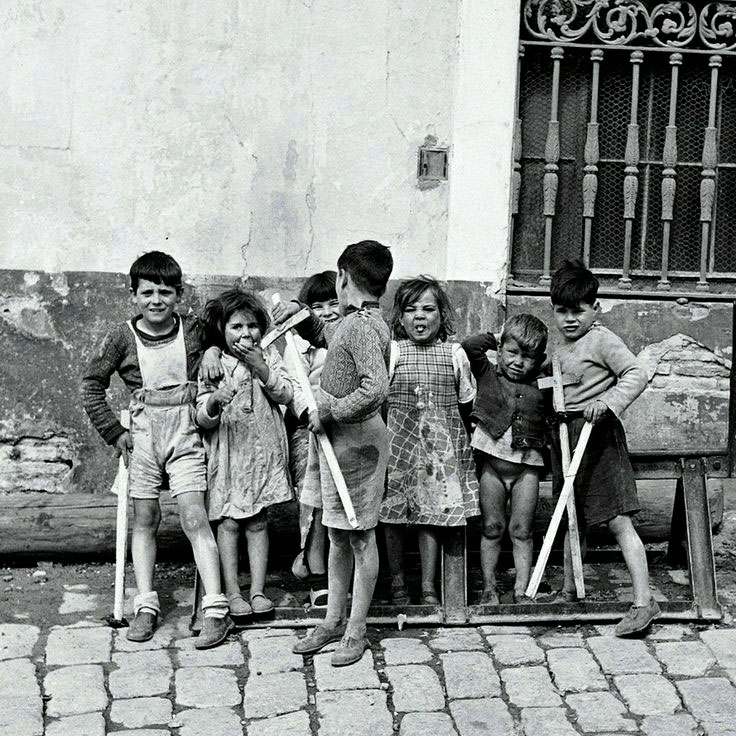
(157, 355)
(353, 388)
(610, 378)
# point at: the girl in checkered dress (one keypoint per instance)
(431, 480)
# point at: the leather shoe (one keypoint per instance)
(143, 626)
(350, 651)
(319, 638)
(214, 632)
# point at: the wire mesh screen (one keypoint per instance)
(689, 108)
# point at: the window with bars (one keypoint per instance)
(624, 151)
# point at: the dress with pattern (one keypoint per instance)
(247, 452)
(431, 475)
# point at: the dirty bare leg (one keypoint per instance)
(339, 569)
(147, 517)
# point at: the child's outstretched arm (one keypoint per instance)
(311, 329)
(475, 348)
(210, 368)
(464, 385)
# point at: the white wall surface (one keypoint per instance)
(482, 136)
(243, 137)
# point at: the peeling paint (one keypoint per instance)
(682, 349)
(28, 316)
(60, 284)
(694, 311)
(33, 460)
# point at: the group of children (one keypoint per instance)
(427, 432)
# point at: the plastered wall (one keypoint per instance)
(252, 141)
(244, 137)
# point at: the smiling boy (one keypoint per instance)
(157, 355)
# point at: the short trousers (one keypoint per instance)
(605, 486)
(166, 445)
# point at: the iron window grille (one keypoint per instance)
(625, 143)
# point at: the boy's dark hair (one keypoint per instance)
(218, 311)
(529, 332)
(319, 287)
(573, 283)
(157, 267)
(412, 289)
(369, 264)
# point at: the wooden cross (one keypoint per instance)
(569, 469)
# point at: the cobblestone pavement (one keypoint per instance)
(75, 676)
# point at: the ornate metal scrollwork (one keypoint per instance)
(717, 26)
(673, 24)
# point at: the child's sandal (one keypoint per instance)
(430, 598)
(318, 598)
(261, 605)
(239, 607)
(400, 595)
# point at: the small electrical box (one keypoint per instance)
(432, 164)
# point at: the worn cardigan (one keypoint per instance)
(502, 403)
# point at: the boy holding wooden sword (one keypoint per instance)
(353, 388)
(610, 380)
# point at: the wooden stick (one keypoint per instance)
(121, 532)
(572, 517)
(573, 532)
(282, 329)
(324, 442)
(554, 523)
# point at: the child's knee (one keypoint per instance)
(493, 529)
(193, 520)
(257, 523)
(361, 542)
(339, 539)
(230, 526)
(147, 517)
(520, 529)
(621, 525)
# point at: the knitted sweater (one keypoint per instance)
(354, 380)
(118, 353)
(608, 371)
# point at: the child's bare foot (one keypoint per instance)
(399, 593)
(489, 597)
(520, 596)
(566, 596)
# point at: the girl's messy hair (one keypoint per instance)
(218, 311)
(408, 292)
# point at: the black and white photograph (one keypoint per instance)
(367, 368)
